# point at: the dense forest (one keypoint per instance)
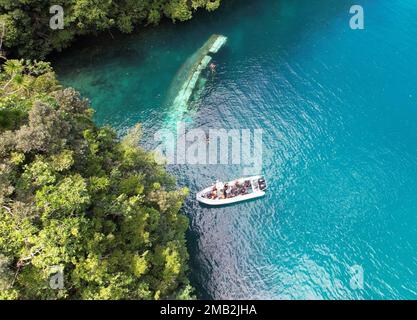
(75, 200)
(27, 23)
(73, 196)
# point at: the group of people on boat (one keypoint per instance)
(229, 191)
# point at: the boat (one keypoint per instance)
(231, 192)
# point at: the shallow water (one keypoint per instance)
(338, 112)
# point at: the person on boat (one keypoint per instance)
(224, 189)
(228, 193)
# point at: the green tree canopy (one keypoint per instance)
(27, 30)
(75, 197)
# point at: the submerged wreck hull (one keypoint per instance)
(189, 82)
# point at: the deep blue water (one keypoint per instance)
(339, 112)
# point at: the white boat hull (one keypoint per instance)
(239, 198)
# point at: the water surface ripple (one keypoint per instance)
(338, 109)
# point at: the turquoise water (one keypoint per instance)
(339, 112)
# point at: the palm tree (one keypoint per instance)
(14, 69)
